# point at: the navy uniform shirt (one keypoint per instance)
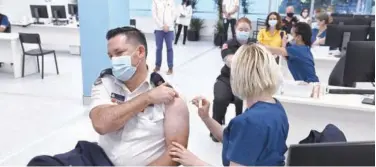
(257, 137)
(315, 34)
(301, 64)
(287, 25)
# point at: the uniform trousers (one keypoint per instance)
(223, 96)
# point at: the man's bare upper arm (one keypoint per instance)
(176, 123)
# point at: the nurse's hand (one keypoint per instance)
(203, 106)
(185, 157)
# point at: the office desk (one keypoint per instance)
(355, 119)
(11, 56)
(59, 38)
(324, 65)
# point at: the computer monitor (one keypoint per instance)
(58, 12)
(39, 11)
(371, 34)
(359, 63)
(350, 21)
(341, 15)
(73, 9)
(337, 36)
(332, 154)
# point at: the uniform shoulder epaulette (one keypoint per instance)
(103, 73)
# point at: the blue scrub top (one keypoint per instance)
(315, 32)
(4, 21)
(257, 137)
(301, 64)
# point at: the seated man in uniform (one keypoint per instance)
(4, 23)
(137, 122)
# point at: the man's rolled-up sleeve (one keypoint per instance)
(99, 96)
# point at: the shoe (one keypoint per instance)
(157, 69)
(170, 71)
(213, 138)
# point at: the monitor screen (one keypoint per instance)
(332, 154)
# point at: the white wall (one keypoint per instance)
(17, 9)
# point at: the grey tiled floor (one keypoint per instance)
(47, 116)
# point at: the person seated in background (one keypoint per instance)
(290, 20)
(258, 136)
(272, 35)
(319, 29)
(4, 24)
(183, 20)
(304, 16)
(299, 57)
(136, 122)
(223, 95)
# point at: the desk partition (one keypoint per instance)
(107, 15)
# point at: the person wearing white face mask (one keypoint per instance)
(223, 95)
(304, 16)
(136, 121)
(272, 35)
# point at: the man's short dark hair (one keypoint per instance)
(132, 34)
(304, 30)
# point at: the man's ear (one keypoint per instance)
(142, 52)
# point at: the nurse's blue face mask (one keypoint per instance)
(242, 36)
(122, 67)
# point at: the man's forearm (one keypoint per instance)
(214, 127)
(110, 118)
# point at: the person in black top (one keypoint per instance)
(290, 20)
(223, 95)
(4, 23)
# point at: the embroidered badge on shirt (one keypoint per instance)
(116, 98)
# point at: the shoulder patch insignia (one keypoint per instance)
(98, 81)
(224, 46)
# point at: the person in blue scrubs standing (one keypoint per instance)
(299, 57)
(258, 136)
(4, 24)
(319, 29)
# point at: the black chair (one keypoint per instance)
(132, 22)
(35, 39)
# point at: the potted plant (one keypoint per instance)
(219, 27)
(195, 27)
(219, 33)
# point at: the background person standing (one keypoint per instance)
(163, 12)
(230, 9)
(184, 19)
(290, 20)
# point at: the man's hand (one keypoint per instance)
(165, 28)
(162, 94)
(203, 106)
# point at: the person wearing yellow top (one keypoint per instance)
(272, 35)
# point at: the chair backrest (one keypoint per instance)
(260, 23)
(132, 22)
(29, 38)
(26, 38)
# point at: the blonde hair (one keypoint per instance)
(254, 72)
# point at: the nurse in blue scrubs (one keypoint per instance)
(299, 57)
(319, 29)
(258, 136)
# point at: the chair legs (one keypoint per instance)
(42, 66)
(57, 68)
(23, 65)
(38, 63)
(42, 72)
